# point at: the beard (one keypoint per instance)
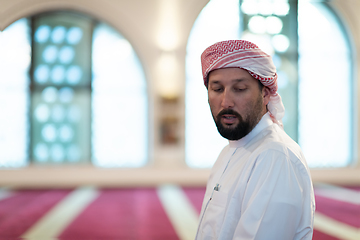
(244, 127)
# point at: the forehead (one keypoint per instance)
(225, 75)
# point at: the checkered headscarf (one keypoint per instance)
(246, 55)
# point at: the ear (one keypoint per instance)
(266, 95)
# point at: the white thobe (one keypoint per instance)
(259, 188)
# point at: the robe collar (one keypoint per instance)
(263, 123)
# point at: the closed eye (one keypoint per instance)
(217, 89)
(239, 89)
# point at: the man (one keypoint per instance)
(260, 185)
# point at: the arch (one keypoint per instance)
(117, 17)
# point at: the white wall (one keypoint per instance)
(142, 23)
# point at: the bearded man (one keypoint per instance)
(260, 186)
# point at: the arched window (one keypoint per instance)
(309, 69)
(74, 106)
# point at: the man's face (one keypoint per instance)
(236, 101)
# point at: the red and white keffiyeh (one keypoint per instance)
(246, 55)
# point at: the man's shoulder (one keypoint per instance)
(275, 140)
(273, 137)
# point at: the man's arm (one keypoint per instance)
(276, 199)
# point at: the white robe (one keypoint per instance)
(259, 188)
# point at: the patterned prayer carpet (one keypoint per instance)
(167, 212)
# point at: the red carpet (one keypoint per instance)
(322, 236)
(122, 214)
(341, 211)
(133, 213)
(19, 212)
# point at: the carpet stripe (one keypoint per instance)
(335, 228)
(196, 196)
(58, 218)
(180, 211)
(338, 193)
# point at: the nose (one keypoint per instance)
(227, 100)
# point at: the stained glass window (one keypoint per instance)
(61, 88)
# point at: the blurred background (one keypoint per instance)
(110, 94)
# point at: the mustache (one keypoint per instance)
(228, 111)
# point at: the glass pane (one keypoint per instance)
(272, 26)
(325, 88)
(218, 21)
(119, 102)
(15, 51)
(61, 88)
